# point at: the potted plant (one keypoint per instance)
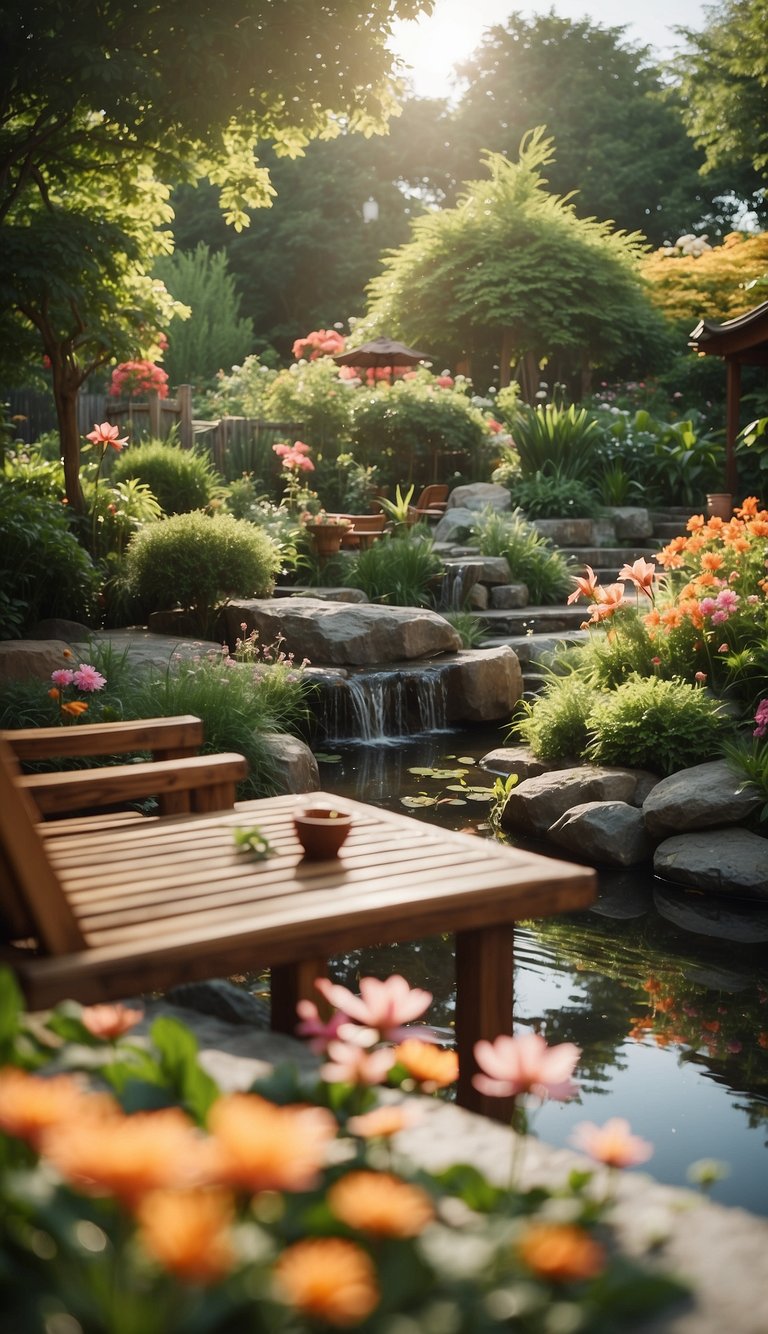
(326, 531)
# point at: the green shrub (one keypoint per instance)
(531, 557)
(466, 626)
(43, 569)
(401, 571)
(181, 479)
(553, 497)
(195, 562)
(554, 440)
(554, 725)
(648, 723)
(401, 428)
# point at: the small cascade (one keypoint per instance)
(459, 578)
(382, 706)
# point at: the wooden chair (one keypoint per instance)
(365, 530)
(103, 914)
(431, 504)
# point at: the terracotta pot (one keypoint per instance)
(321, 831)
(720, 505)
(326, 537)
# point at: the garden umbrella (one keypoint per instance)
(381, 352)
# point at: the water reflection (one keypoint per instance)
(665, 990)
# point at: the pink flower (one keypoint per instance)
(281, 449)
(352, 1064)
(700, 677)
(311, 1026)
(724, 648)
(707, 606)
(727, 600)
(640, 574)
(106, 435)
(655, 662)
(383, 1006)
(88, 679)
(62, 677)
(110, 1021)
(445, 381)
(612, 1143)
(719, 616)
(526, 1064)
(300, 448)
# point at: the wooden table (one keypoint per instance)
(172, 900)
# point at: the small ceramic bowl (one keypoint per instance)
(322, 830)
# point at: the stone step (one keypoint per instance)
(607, 556)
(537, 648)
(667, 529)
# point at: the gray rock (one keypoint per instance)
(31, 660)
(355, 595)
(699, 798)
(566, 532)
(721, 861)
(455, 526)
(296, 766)
(56, 627)
(478, 598)
(222, 1000)
(506, 596)
(518, 760)
(338, 634)
(630, 522)
(535, 805)
(494, 569)
(478, 496)
(609, 832)
(703, 915)
(482, 685)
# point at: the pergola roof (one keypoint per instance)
(743, 339)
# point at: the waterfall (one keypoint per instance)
(459, 578)
(383, 705)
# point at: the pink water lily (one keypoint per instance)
(105, 435)
(612, 1143)
(526, 1064)
(383, 1006)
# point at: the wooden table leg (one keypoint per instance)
(290, 983)
(484, 999)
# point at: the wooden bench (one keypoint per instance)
(125, 910)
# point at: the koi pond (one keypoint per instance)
(665, 990)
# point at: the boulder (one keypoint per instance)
(56, 627)
(478, 598)
(478, 496)
(631, 523)
(32, 659)
(720, 861)
(494, 569)
(518, 760)
(294, 762)
(611, 833)
(566, 532)
(482, 685)
(535, 805)
(504, 597)
(455, 526)
(699, 798)
(339, 633)
(355, 595)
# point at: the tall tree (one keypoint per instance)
(513, 270)
(621, 141)
(725, 84)
(215, 336)
(142, 96)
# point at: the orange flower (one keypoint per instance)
(758, 527)
(127, 1156)
(695, 522)
(430, 1066)
(671, 618)
(328, 1279)
(53, 693)
(748, 507)
(110, 1021)
(75, 708)
(380, 1204)
(611, 1143)
(561, 1252)
(263, 1147)
(711, 560)
(607, 602)
(584, 587)
(652, 620)
(189, 1232)
(382, 1121)
(31, 1105)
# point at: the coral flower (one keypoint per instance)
(110, 1021)
(641, 574)
(612, 1143)
(561, 1252)
(432, 1067)
(259, 1146)
(314, 1028)
(526, 1064)
(327, 1278)
(607, 602)
(383, 1122)
(351, 1064)
(584, 587)
(105, 435)
(380, 1205)
(75, 708)
(127, 1156)
(189, 1233)
(30, 1105)
(384, 1006)
(88, 679)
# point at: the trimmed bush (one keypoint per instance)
(181, 479)
(196, 562)
(648, 723)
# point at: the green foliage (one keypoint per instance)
(241, 392)
(43, 569)
(195, 562)
(121, 509)
(406, 427)
(555, 441)
(314, 395)
(750, 760)
(400, 572)
(181, 479)
(214, 336)
(648, 723)
(466, 626)
(549, 496)
(666, 462)
(531, 557)
(554, 724)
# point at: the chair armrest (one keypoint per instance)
(200, 782)
(167, 738)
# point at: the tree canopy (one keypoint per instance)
(719, 284)
(512, 270)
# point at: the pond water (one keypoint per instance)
(664, 990)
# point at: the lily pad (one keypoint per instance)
(327, 759)
(413, 802)
(440, 774)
